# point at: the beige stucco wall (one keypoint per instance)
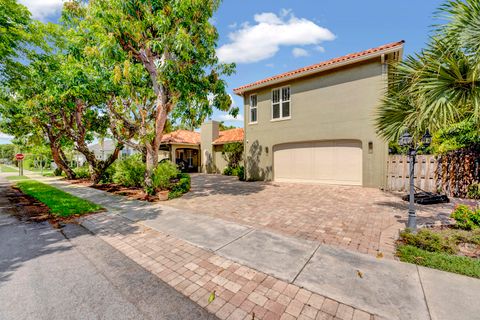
(339, 104)
(220, 162)
(208, 133)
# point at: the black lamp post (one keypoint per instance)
(406, 140)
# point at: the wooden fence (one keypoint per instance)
(425, 173)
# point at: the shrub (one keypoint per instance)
(180, 187)
(241, 173)
(82, 172)
(473, 191)
(57, 172)
(28, 163)
(429, 241)
(130, 172)
(466, 218)
(228, 171)
(163, 175)
(107, 176)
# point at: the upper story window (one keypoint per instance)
(281, 103)
(253, 108)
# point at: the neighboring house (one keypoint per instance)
(182, 147)
(194, 151)
(104, 148)
(199, 151)
(316, 124)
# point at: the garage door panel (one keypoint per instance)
(332, 162)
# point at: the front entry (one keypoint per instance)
(187, 159)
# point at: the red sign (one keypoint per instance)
(19, 156)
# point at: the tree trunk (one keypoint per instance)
(152, 149)
(60, 162)
(57, 152)
(150, 164)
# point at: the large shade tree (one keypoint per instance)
(174, 41)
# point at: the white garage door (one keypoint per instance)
(331, 162)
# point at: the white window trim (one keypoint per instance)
(250, 109)
(280, 102)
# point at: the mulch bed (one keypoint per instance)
(129, 192)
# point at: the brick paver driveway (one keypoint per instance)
(362, 219)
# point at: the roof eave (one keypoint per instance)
(225, 142)
(241, 92)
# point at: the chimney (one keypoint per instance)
(209, 132)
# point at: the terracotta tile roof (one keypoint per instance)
(181, 136)
(232, 135)
(319, 66)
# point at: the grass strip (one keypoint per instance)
(60, 203)
(442, 261)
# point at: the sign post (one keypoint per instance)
(19, 157)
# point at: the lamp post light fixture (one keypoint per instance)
(406, 140)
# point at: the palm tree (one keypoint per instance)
(441, 85)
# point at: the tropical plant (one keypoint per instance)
(466, 217)
(163, 175)
(441, 85)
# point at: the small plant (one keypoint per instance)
(241, 173)
(428, 241)
(57, 172)
(163, 175)
(130, 172)
(466, 218)
(228, 171)
(107, 176)
(82, 172)
(473, 191)
(180, 187)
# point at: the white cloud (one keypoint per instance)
(320, 49)
(229, 117)
(299, 52)
(253, 43)
(42, 9)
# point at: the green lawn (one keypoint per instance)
(60, 203)
(438, 260)
(4, 168)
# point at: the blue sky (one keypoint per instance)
(267, 37)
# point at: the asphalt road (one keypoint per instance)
(44, 275)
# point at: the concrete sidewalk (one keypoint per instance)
(389, 289)
(52, 274)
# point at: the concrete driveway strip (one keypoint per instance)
(280, 256)
(203, 231)
(449, 294)
(387, 288)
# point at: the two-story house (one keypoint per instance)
(316, 124)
